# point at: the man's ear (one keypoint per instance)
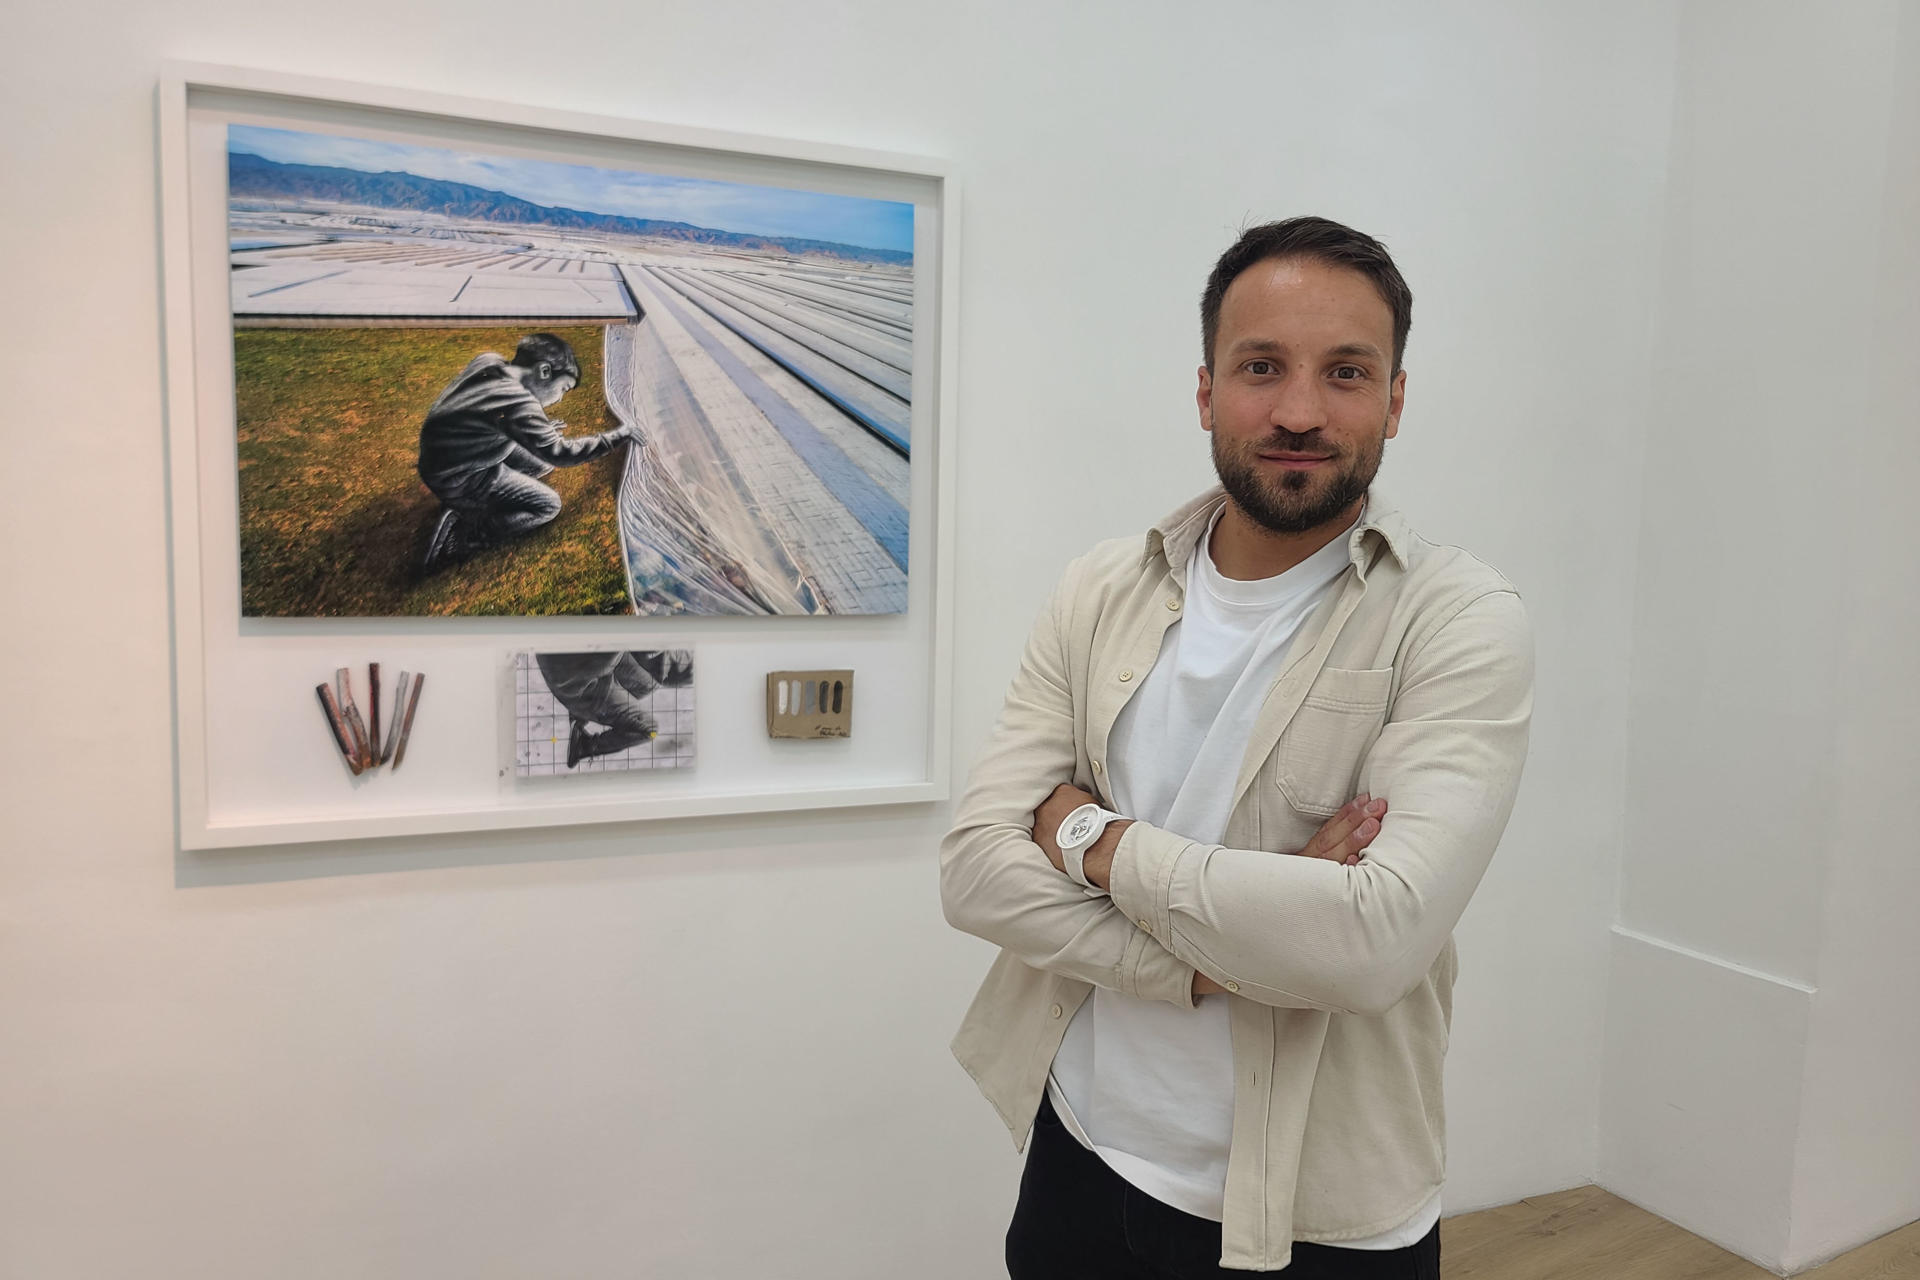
(1204, 398)
(545, 371)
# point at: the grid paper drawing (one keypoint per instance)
(602, 712)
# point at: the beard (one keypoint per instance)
(1296, 501)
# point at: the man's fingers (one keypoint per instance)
(1319, 845)
(1351, 829)
(1360, 837)
(1328, 840)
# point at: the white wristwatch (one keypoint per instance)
(1077, 834)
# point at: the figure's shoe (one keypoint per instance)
(577, 747)
(445, 544)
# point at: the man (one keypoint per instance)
(607, 689)
(487, 442)
(1223, 1013)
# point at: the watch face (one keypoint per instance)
(1078, 829)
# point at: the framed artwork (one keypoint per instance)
(458, 383)
(734, 363)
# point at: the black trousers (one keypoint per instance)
(1079, 1220)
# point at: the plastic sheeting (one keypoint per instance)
(683, 556)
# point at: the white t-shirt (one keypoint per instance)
(1146, 1085)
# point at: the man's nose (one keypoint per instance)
(1299, 405)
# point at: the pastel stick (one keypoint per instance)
(406, 726)
(331, 707)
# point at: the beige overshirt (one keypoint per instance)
(1412, 681)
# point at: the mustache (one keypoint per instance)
(1289, 442)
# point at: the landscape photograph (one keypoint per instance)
(475, 383)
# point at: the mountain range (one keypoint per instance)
(252, 177)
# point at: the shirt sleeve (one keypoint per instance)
(528, 426)
(997, 884)
(1294, 931)
(633, 677)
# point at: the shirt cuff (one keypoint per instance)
(1151, 972)
(1141, 878)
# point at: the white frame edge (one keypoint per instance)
(309, 830)
(196, 829)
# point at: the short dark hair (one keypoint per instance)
(556, 351)
(1322, 240)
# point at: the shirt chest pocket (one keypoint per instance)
(1317, 761)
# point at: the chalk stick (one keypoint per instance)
(356, 727)
(406, 727)
(373, 713)
(331, 706)
(393, 721)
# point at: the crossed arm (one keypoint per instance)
(1341, 838)
(1181, 917)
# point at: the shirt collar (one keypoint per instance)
(1176, 535)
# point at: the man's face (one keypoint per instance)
(1302, 396)
(548, 384)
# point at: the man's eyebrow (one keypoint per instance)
(1345, 351)
(1255, 344)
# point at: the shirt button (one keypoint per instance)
(1096, 766)
(1057, 1011)
(1231, 986)
(1173, 606)
(1146, 924)
(1126, 675)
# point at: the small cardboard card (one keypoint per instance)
(809, 704)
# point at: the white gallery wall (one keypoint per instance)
(1857, 1163)
(1760, 1085)
(716, 1048)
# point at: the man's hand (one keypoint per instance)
(1342, 837)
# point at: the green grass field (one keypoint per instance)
(333, 517)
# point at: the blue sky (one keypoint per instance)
(723, 206)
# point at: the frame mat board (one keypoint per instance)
(256, 764)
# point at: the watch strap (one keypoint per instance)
(1075, 860)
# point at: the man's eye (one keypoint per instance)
(1349, 373)
(1261, 368)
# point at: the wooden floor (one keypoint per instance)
(1589, 1234)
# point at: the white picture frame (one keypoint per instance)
(255, 762)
